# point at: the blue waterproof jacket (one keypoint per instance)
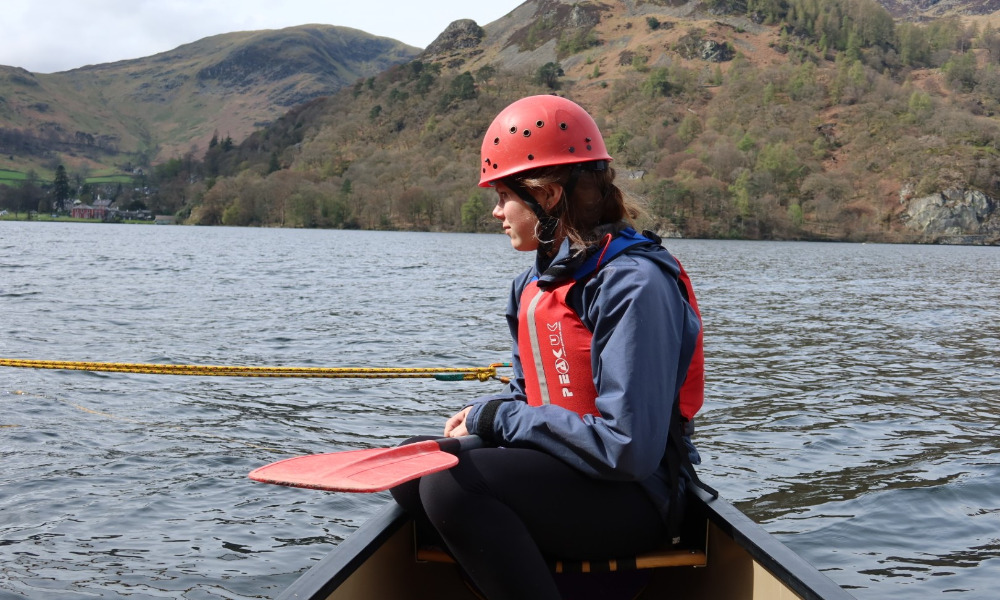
(644, 334)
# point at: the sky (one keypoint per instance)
(46, 36)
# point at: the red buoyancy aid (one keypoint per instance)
(693, 389)
(555, 345)
(555, 350)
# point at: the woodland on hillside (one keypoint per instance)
(821, 146)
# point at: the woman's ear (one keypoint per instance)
(551, 194)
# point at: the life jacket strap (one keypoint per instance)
(679, 462)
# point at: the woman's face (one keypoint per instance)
(518, 220)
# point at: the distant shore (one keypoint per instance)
(66, 219)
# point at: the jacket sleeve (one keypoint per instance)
(643, 335)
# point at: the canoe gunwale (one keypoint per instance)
(339, 564)
(778, 559)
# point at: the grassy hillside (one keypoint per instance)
(144, 111)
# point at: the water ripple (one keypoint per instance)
(853, 398)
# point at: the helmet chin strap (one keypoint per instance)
(547, 222)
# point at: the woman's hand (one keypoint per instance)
(455, 426)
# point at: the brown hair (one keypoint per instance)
(596, 201)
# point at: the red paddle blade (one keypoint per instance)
(371, 470)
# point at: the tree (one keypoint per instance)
(657, 84)
(463, 87)
(853, 51)
(549, 74)
(920, 106)
(912, 45)
(961, 72)
(30, 197)
(8, 198)
(689, 129)
(60, 188)
(485, 73)
(424, 83)
(782, 166)
(741, 192)
(417, 205)
(474, 212)
(989, 39)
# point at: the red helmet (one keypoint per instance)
(539, 131)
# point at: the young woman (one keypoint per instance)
(587, 454)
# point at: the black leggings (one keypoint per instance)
(501, 511)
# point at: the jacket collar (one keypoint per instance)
(557, 269)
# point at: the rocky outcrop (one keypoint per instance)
(584, 16)
(461, 34)
(713, 51)
(953, 216)
(693, 46)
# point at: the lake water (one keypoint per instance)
(853, 398)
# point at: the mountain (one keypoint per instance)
(792, 119)
(795, 120)
(172, 103)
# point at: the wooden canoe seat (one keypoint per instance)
(669, 557)
(695, 556)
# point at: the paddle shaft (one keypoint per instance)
(455, 445)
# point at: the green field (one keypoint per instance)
(8, 176)
(110, 179)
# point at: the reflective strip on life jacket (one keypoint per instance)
(542, 396)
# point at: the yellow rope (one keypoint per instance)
(442, 374)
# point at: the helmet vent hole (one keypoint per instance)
(489, 162)
(495, 166)
(588, 140)
(572, 149)
(539, 123)
(589, 147)
(531, 157)
(563, 126)
(496, 141)
(513, 129)
(526, 133)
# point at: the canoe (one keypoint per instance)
(737, 560)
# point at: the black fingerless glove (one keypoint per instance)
(484, 424)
